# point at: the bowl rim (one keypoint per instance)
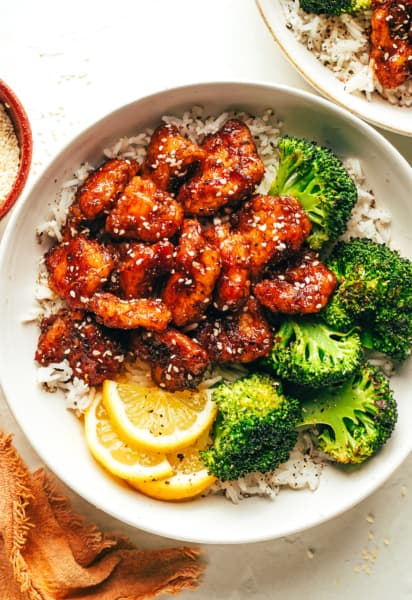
(90, 497)
(333, 97)
(23, 130)
(330, 103)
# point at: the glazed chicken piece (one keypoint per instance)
(273, 227)
(391, 41)
(114, 312)
(231, 170)
(170, 157)
(145, 213)
(78, 268)
(140, 266)
(233, 286)
(302, 288)
(239, 337)
(92, 352)
(98, 193)
(177, 362)
(188, 291)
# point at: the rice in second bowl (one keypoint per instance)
(302, 469)
(341, 44)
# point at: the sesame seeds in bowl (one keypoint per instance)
(15, 148)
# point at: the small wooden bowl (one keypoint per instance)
(22, 128)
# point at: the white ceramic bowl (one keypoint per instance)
(377, 111)
(57, 435)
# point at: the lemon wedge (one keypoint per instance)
(190, 477)
(116, 455)
(155, 419)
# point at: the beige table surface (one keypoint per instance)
(72, 62)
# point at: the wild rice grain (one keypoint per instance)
(9, 154)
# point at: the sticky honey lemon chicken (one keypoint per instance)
(274, 227)
(391, 41)
(104, 185)
(140, 266)
(145, 213)
(230, 171)
(177, 362)
(303, 287)
(117, 313)
(93, 352)
(240, 337)
(78, 268)
(189, 290)
(233, 286)
(98, 193)
(170, 158)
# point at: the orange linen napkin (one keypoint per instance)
(47, 552)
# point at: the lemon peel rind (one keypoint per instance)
(180, 486)
(103, 456)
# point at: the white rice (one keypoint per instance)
(342, 45)
(301, 470)
(368, 219)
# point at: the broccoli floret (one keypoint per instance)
(374, 291)
(335, 7)
(311, 353)
(255, 429)
(318, 179)
(355, 419)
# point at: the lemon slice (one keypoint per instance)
(116, 455)
(190, 477)
(155, 419)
